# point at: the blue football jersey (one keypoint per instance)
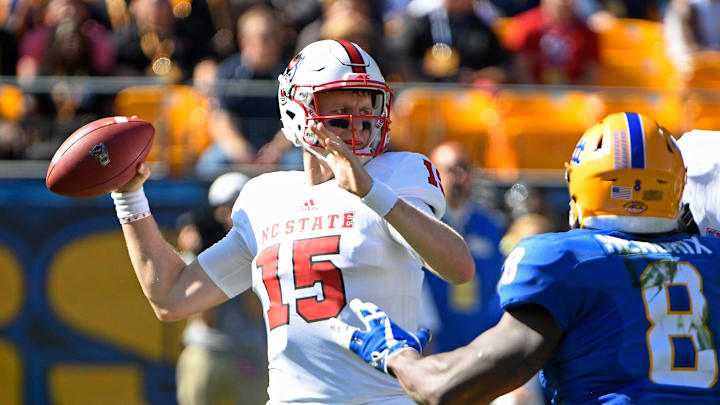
(641, 317)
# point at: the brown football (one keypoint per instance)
(99, 157)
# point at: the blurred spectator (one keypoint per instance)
(643, 9)
(8, 52)
(471, 308)
(20, 16)
(164, 39)
(603, 14)
(223, 361)
(298, 13)
(67, 43)
(509, 8)
(245, 128)
(12, 140)
(691, 26)
(335, 11)
(448, 42)
(351, 20)
(553, 46)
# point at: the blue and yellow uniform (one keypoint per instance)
(641, 317)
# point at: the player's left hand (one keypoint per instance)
(381, 339)
(347, 167)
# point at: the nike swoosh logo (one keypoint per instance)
(319, 69)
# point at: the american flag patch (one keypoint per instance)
(621, 193)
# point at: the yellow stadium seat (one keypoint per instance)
(539, 130)
(144, 102)
(180, 117)
(666, 107)
(632, 34)
(12, 103)
(702, 110)
(423, 118)
(632, 53)
(705, 73)
(416, 124)
(187, 113)
(638, 68)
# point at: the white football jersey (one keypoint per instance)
(311, 249)
(702, 191)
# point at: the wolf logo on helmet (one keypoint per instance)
(348, 67)
(618, 154)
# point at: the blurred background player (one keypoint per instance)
(701, 198)
(620, 311)
(223, 361)
(356, 222)
(468, 309)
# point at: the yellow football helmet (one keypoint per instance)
(626, 174)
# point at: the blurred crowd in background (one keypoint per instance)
(204, 73)
(219, 46)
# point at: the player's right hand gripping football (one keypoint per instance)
(381, 339)
(143, 173)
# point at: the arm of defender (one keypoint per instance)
(174, 290)
(496, 362)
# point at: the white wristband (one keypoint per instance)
(381, 198)
(131, 206)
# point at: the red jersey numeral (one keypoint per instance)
(306, 273)
(433, 175)
(267, 261)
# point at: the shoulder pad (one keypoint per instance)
(411, 175)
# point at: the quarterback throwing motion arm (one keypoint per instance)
(443, 249)
(175, 290)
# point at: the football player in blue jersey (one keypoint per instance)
(621, 310)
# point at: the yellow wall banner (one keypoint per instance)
(75, 327)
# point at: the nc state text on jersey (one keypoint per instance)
(309, 224)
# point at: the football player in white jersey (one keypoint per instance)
(356, 222)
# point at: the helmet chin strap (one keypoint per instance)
(315, 152)
(363, 158)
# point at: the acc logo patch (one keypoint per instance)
(100, 153)
(635, 207)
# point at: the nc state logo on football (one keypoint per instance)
(100, 153)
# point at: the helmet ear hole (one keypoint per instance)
(599, 144)
(290, 114)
